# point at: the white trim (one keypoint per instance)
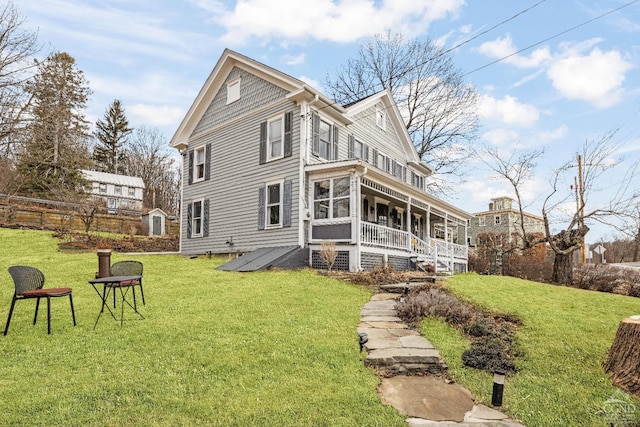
(381, 118)
(193, 218)
(280, 118)
(280, 204)
(233, 90)
(195, 177)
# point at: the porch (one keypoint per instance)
(377, 219)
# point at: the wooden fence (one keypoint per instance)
(55, 216)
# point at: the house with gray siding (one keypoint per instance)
(272, 163)
(501, 224)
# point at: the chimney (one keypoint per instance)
(490, 206)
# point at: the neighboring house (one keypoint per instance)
(119, 192)
(271, 163)
(502, 219)
(156, 220)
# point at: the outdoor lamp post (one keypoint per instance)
(498, 387)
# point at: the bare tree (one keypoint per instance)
(596, 160)
(17, 49)
(439, 108)
(147, 157)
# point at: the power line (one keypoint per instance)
(552, 37)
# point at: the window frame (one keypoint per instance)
(102, 187)
(331, 199)
(233, 90)
(132, 192)
(117, 189)
(497, 220)
(329, 144)
(199, 167)
(481, 221)
(381, 118)
(279, 204)
(200, 218)
(273, 120)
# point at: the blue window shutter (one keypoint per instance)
(288, 125)
(263, 142)
(207, 162)
(261, 208)
(190, 178)
(287, 208)
(351, 147)
(315, 134)
(205, 218)
(189, 219)
(336, 137)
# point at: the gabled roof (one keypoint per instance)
(112, 178)
(393, 114)
(298, 90)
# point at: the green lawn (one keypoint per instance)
(566, 334)
(216, 348)
(270, 348)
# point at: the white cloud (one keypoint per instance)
(508, 110)
(553, 135)
(341, 21)
(294, 60)
(596, 78)
(501, 137)
(153, 115)
(503, 47)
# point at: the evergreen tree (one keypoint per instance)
(56, 147)
(111, 135)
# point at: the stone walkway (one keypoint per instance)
(410, 365)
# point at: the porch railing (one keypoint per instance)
(441, 253)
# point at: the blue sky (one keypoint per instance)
(570, 86)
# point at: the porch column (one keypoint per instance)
(407, 225)
(356, 217)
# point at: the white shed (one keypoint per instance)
(156, 219)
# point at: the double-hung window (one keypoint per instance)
(196, 218)
(132, 192)
(275, 140)
(274, 205)
(199, 165)
(331, 198)
(325, 140)
(481, 221)
(117, 190)
(102, 187)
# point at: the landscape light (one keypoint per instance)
(498, 387)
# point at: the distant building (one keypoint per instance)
(156, 220)
(502, 219)
(119, 192)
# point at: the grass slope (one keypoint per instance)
(216, 348)
(566, 334)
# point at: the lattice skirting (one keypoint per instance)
(341, 263)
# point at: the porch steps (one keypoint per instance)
(391, 346)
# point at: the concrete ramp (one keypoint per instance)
(289, 257)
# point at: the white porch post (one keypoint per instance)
(356, 217)
(407, 225)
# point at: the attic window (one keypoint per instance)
(233, 91)
(381, 118)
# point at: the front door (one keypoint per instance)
(382, 211)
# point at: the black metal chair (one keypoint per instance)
(29, 283)
(129, 268)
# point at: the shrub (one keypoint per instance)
(606, 278)
(493, 341)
